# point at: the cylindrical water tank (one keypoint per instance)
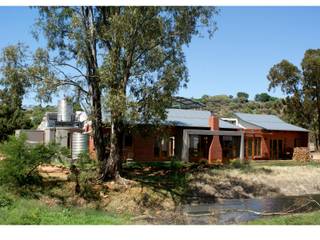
(65, 111)
(80, 143)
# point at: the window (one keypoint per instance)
(171, 146)
(257, 146)
(128, 140)
(161, 147)
(249, 147)
(156, 149)
(194, 145)
(164, 147)
(298, 142)
(69, 140)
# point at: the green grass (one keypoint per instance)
(32, 212)
(312, 218)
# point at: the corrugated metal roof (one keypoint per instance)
(193, 118)
(187, 118)
(269, 122)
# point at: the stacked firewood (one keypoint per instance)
(301, 154)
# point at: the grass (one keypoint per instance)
(312, 218)
(167, 176)
(282, 163)
(33, 212)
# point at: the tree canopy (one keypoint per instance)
(14, 83)
(128, 61)
(243, 96)
(302, 87)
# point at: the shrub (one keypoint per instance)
(22, 159)
(175, 163)
(236, 163)
(84, 172)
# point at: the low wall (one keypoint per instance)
(33, 136)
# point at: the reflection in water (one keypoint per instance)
(232, 211)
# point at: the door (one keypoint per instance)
(249, 148)
(276, 149)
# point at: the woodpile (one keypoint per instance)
(301, 154)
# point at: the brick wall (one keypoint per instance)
(287, 137)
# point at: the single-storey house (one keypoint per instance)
(198, 135)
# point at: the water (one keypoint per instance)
(235, 211)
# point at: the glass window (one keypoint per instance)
(128, 141)
(257, 146)
(194, 145)
(249, 147)
(156, 149)
(161, 147)
(164, 147)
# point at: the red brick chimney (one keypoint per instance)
(215, 150)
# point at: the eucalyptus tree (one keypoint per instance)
(302, 87)
(14, 83)
(130, 58)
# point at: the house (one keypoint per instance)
(197, 135)
(269, 137)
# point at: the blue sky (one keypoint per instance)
(249, 41)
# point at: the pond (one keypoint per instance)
(237, 211)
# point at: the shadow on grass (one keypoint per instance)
(162, 177)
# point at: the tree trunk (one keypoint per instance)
(114, 163)
(98, 138)
(318, 130)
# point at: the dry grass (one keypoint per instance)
(227, 184)
(293, 180)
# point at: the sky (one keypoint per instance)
(248, 42)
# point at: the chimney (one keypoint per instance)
(215, 150)
(213, 122)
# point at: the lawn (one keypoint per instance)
(32, 212)
(312, 218)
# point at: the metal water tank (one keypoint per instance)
(80, 142)
(65, 111)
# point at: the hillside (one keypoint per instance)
(224, 105)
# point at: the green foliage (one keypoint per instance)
(236, 163)
(302, 88)
(84, 173)
(22, 159)
(5, 198)
(11, 119)
(14, 83)
(176, 164)
(37, 113)
(243, 96)
(225, 106)
(263, 97)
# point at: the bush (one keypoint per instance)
(84, 173)
(22, 159)
(236, 163)
(175, 163)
